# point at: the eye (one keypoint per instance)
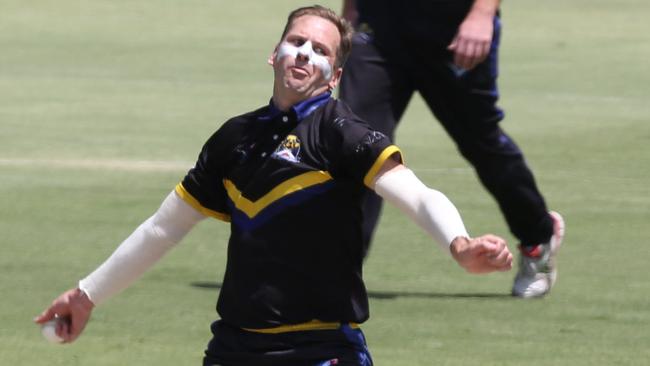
(298, 42)
(320, 51)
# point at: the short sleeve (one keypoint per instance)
(356, 151)
(203, 187)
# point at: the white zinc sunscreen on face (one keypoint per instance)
(306, 50)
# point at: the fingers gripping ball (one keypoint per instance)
(48, 329)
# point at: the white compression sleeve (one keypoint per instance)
(142, 249)
(429, 208)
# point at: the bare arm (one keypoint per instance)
(349, 11)
(141, 250)
(472, 42)
(432, 211)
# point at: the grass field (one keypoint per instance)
(105, 104)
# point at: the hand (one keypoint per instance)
(472, 43)
(73, 305)
(484, 254)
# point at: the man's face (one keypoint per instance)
(304, 60)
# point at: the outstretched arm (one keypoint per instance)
(473, 40)
(141, 250)
(433, 211)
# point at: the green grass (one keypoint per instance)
(92, 91)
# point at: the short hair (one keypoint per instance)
(344, 27)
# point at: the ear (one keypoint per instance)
(336, 77)
(274, 54)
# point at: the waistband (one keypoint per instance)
(310, 325)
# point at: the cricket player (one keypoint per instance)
(447, 51)
(289, 178)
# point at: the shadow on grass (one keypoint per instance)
(389, 295)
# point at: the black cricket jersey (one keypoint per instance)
(291, 185)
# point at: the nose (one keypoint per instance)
(302, 57)
(304, 52)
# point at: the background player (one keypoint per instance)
(447, 51)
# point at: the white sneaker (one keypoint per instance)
(537, 265)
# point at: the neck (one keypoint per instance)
(284, 98)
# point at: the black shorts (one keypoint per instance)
(233, 346)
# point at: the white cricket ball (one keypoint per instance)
(49, 331)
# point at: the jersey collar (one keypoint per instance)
(301, 109)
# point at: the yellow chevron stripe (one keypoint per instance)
(300, 182)
(370, 176)
(187, 197)
(311, 325)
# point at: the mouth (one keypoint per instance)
(298, 71)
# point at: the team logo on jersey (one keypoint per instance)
(289, 149)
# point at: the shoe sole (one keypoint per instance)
(558, 235)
